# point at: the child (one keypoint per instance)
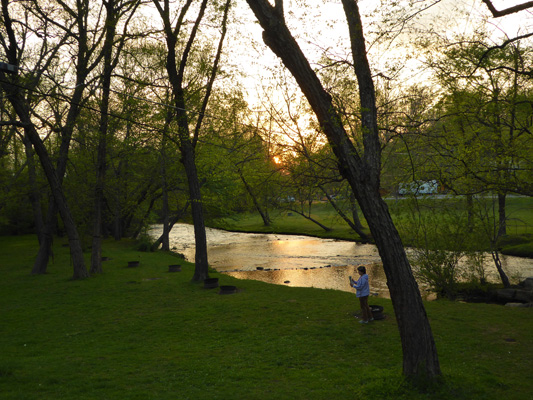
(363, 291)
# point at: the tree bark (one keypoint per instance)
(264, 214)
(171, 224)
(355, 216)
(164, 240)
(35, 196)
(510, 10)
(362, 172)
(499, 268)
(309, 218)
(355, 225)
(23, 113)
(502, 218)
(470, 210)
(110, 27)
(201, 268)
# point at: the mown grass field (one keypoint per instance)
(145, 333)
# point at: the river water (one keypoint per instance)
(303, 261)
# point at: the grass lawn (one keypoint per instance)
(145, 333)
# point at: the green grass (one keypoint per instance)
(145, 333)
(291, 223)
(518, 242)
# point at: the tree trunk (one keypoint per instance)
(419, 350)
(142, 223)
(96, 252)
(164, 240)
(22, 109)
(201, 267)
(23, 113)
(420, 358)
(264, 214)
(110, 26)
(309, 218)
(470, 211)
(35, 195)
(502, 218)
(355, 216)
(118, 221)
(171, 224)
(357, 228)
(187, 144)
(501, 272)
(161, 238)
(45, 245)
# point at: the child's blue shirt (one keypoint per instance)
(362, 286)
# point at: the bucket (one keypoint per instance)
(377, 312)
(210, 283)
(227, 289)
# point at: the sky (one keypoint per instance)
(319, 25)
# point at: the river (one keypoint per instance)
(295, 260)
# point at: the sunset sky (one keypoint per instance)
(319, 26)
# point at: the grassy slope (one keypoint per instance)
(145, 333)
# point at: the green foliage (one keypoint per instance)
(480, 141)
(441, 236)
(144, 241)
(145, 333)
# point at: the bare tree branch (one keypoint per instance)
(507, 11)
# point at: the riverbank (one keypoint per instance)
(146, 333)
(518, 242)
(305, 261)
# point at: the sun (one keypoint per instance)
(276, 159)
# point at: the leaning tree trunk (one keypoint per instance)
(264, 214)
(23, 113)
(362, 171)
(499, 268)
(419, 350)
(171, 223)
(355, 215)
(355, 225)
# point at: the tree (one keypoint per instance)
(187, 140)
(361, 168)
(14, 87)
(246, 157)
(481, 141)
(115, 10)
